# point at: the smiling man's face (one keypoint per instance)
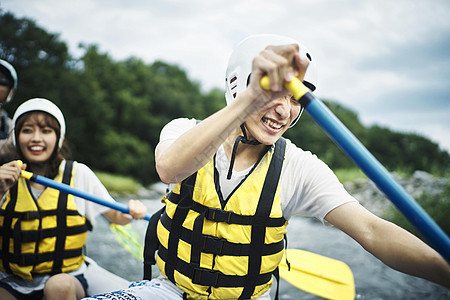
(271, 122)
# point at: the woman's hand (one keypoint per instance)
(9, 175)
(137, 209)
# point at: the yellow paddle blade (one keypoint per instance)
(129, 239)
(318, 275)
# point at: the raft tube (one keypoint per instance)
(102, 281)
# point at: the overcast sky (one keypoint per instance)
(389, 61)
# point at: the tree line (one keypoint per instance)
(115, 110)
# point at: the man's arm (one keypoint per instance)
(177, 159)
(393, 245)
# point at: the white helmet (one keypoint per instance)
(44, 105)
(240, 64)
(10, 72)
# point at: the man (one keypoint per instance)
(8, 87)
(238, 182)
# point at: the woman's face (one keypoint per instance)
(37, 140)
(268, 124)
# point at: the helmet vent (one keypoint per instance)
(233, 85)
(308, 56)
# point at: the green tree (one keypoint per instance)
(40, 59)
(407, 152)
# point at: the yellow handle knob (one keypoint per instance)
(23, 173)
(296, 87)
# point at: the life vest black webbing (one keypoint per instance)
(263, 210)
(219, 246)
(7, 233)
(61, 220)
(220, 215)
(151, 244)
(208, 277)
(183, 207)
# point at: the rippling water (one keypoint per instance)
(373, 280)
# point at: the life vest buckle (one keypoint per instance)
(219, 215)
(206, 277)
(29, 215)
(25, 259)
(212, 244)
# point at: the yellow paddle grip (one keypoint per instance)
(296, 87)
(23, 173)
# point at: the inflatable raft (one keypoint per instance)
(102, 281)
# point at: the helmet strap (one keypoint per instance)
(244, 140)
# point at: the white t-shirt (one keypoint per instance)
(308, 186)
(86, 181)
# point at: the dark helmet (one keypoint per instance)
(11, 75)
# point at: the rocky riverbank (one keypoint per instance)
(374, 200)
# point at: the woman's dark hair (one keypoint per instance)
(57, 156)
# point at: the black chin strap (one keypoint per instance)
(244, 140)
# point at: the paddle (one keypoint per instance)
(73, 191)
(369, 165)
(318, 275)
(129, 239)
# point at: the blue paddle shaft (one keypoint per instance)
(70, 190)
(379, 175)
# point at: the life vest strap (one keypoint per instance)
(220, 215)
(32, 259)
(24, 215)
(262, 214)
(27, 236)
(151, 244)
(6, 232)
(214, 245)
(207, 277)
(183, 207)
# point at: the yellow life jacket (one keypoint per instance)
(213, 248)
(44, 235)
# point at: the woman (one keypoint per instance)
(44, 230)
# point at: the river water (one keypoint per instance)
(373, 280)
